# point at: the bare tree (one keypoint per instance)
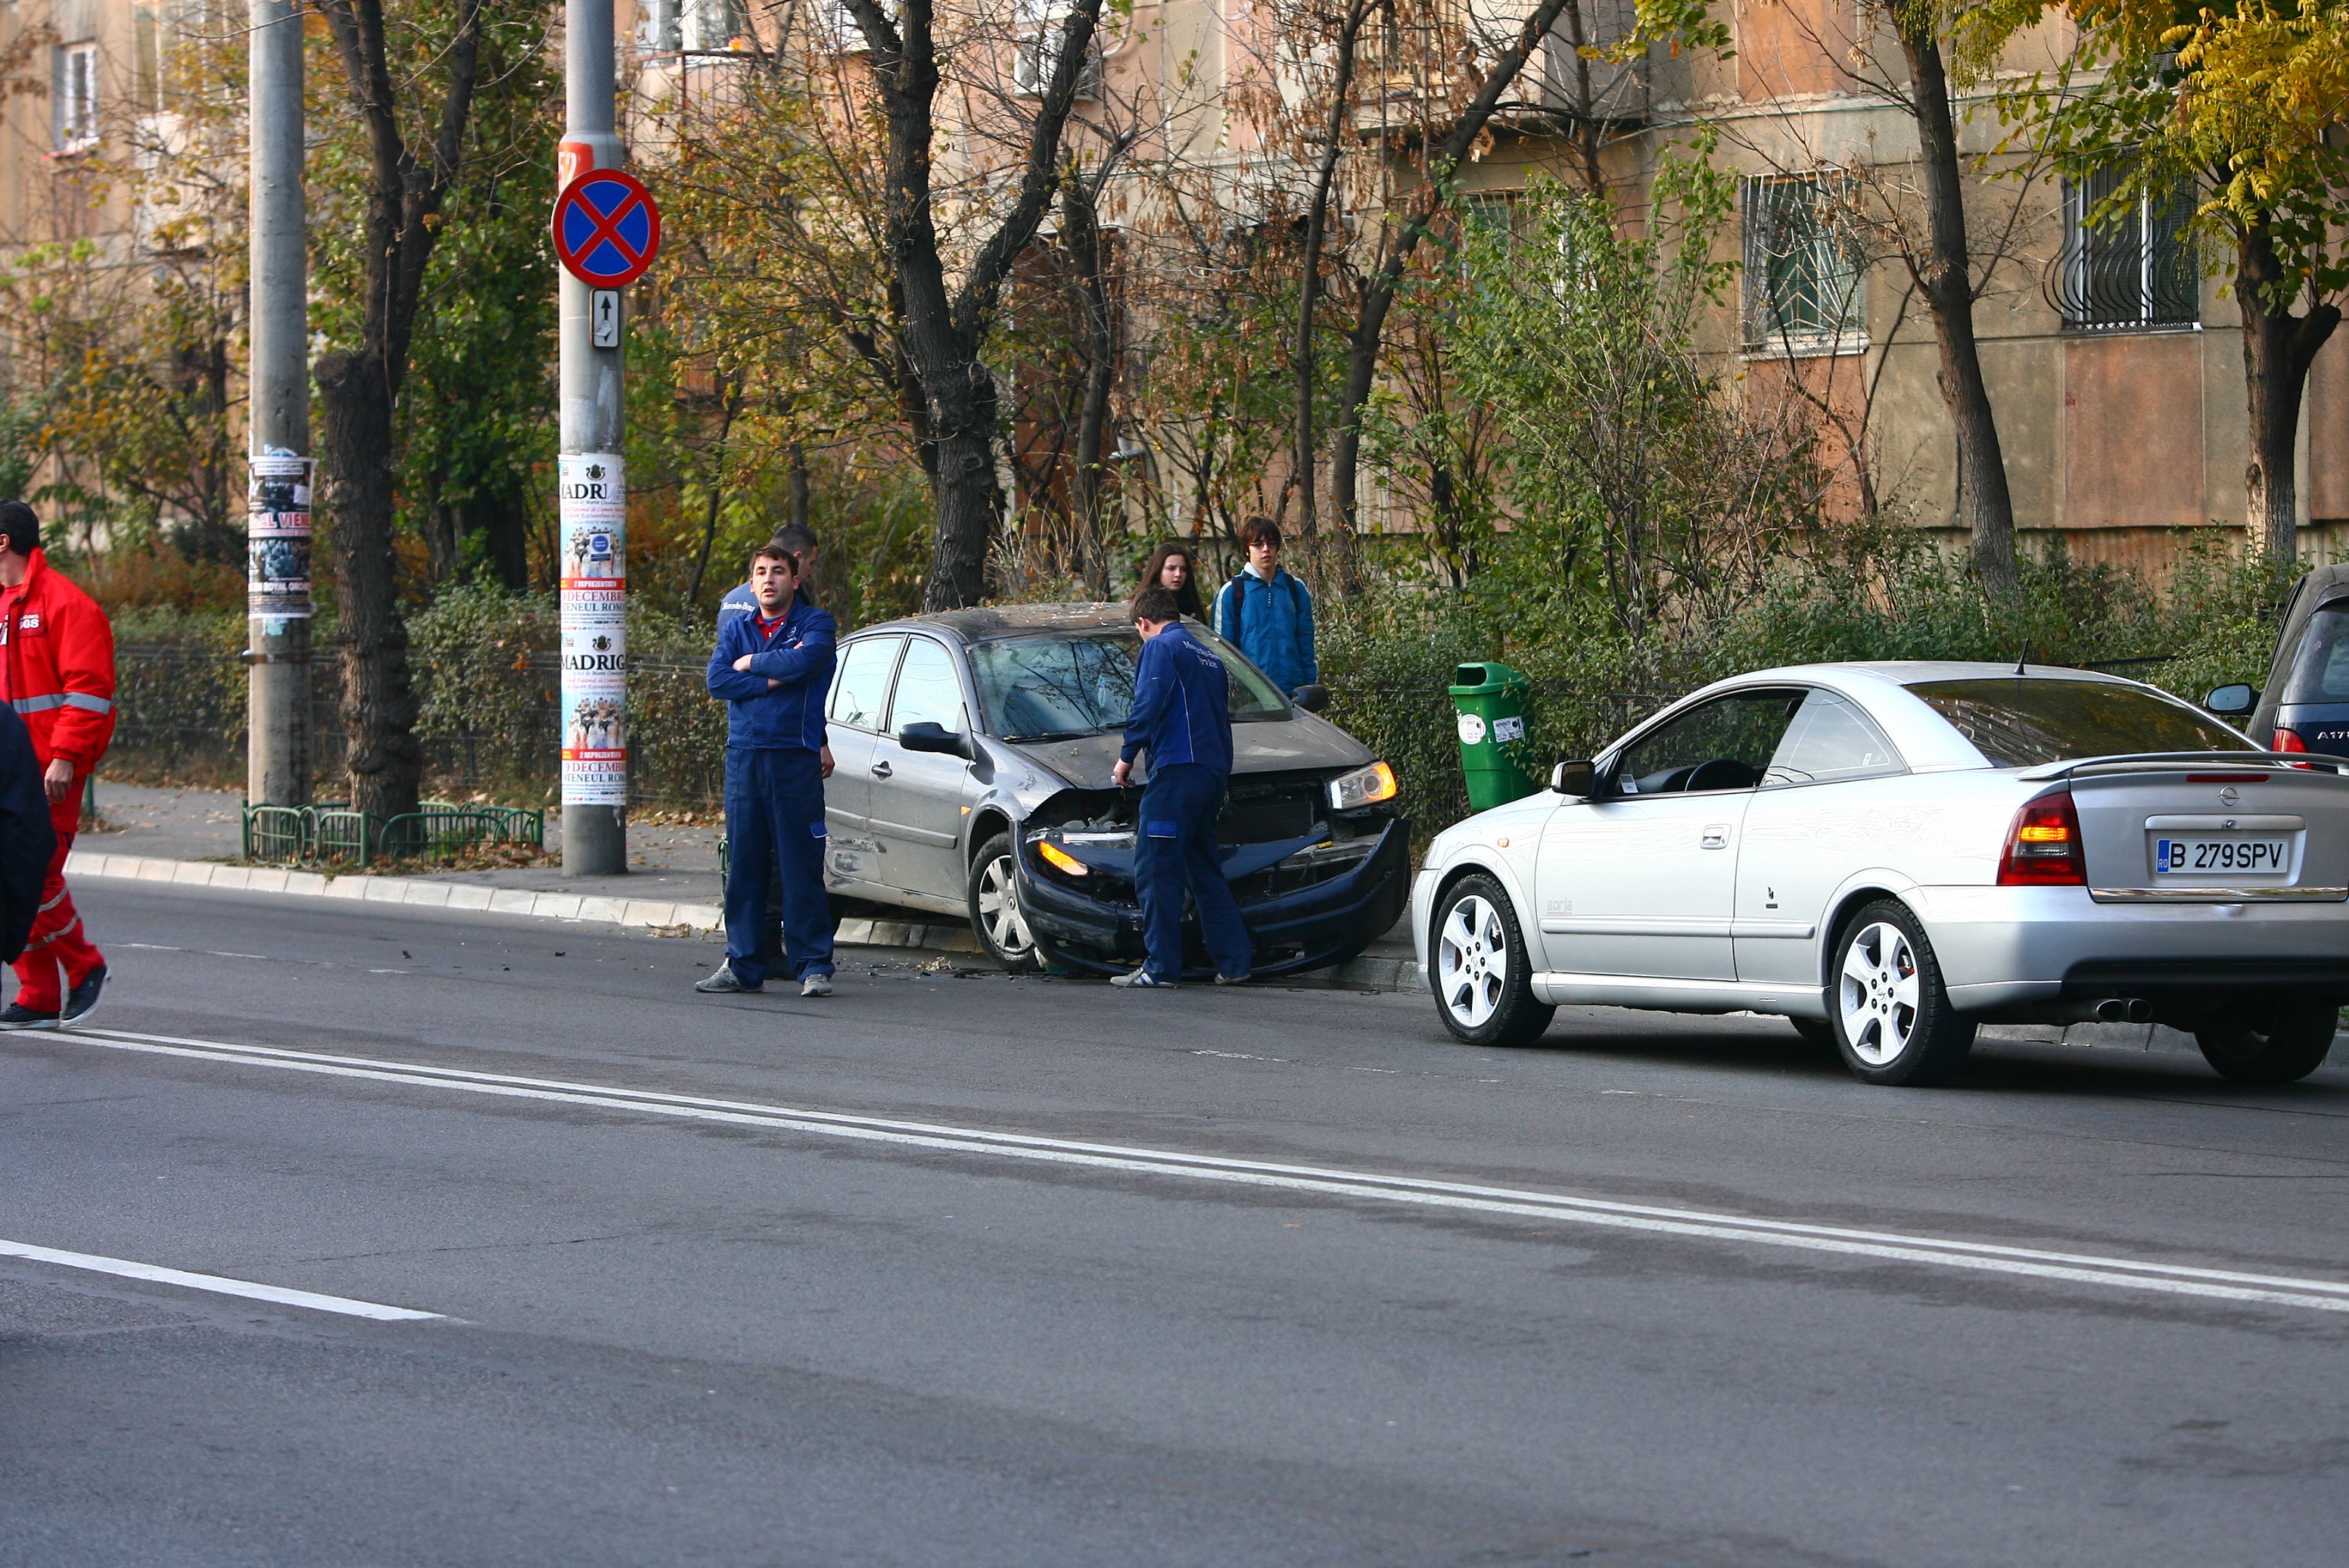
(414, 151)
(1400, 238)
(942, 323)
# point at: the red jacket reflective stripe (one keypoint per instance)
(56, 666)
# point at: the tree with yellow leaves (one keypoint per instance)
(2245, 105)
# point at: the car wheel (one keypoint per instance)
(1893, 1021)
(1482, 973)
(995, 908)
(2283, 1046)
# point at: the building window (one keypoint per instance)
(74, 95)
(1803, 267)
(1038, 29)
(2126, 264)
(1502, 212)
(696, 26)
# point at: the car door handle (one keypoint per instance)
(1715, 836)
(880, 770)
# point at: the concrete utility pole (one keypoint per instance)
(277, 504)
(592, 494)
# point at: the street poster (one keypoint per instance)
(277, 536)
(592, 521)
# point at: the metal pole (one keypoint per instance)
(592, 494)
(277, 507)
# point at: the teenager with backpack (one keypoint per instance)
(1267, 613)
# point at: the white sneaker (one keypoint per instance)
(816, 985)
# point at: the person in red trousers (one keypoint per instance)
(56, 670)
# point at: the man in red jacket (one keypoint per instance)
(56, 670)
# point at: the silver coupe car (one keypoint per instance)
(1890, 854)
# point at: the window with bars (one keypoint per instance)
(2128, 263)
(1803, 266)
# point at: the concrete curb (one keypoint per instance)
(419, 893)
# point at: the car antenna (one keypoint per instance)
(2018, 660)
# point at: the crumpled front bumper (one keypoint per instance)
(1310, 928)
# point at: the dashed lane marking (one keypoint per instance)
(125, 1269)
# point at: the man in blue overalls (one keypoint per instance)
(1181, 717)
(773, 669)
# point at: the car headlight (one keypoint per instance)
(1362, 786)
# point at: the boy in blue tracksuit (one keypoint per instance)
(800, 539)
(773, 669)
(1181, 717)
(1267, 613)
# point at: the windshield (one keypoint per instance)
(2321, 674)
(1053, 687)
(2024, 723)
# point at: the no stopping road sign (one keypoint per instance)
(606, 229)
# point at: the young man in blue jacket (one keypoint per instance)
(1182, 717)
(800, 541)
(773, 669)
(1267, 613)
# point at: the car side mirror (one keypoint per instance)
(927, 736)
(2231, 699)
(1574, 781)
(1312, 698)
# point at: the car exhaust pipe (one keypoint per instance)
(2124, 1010)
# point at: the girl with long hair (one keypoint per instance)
(1174, 568)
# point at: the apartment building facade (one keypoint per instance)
(2113, 355)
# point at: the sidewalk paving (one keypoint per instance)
(192, 837)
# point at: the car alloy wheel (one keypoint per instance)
(1482, 974)
(1893, 1020)
(1878, 994)
(1472, 962)
(995, 912)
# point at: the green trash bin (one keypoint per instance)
(1490, 700)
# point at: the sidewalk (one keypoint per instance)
(192, 837)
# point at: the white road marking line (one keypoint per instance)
(217, 1285)
(2130, 1273)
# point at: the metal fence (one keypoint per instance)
(489, 724)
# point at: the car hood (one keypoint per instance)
(1300, 742)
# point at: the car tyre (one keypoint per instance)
(1893, 1022)
(995, 913)
(2285, 1046)
(1480, 969)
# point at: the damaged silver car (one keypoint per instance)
(972, 751)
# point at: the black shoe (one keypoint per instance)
(82, 998)
(17, 1016)
(725, 980)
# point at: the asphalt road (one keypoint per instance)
(982, 1271)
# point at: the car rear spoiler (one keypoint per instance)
(2169, 761)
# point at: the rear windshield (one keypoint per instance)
(1058, 687)
(2321, 673)
(2024, 722)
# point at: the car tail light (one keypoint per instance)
(2287, 740)
(2043, 847)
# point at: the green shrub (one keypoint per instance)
(1387, 655)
